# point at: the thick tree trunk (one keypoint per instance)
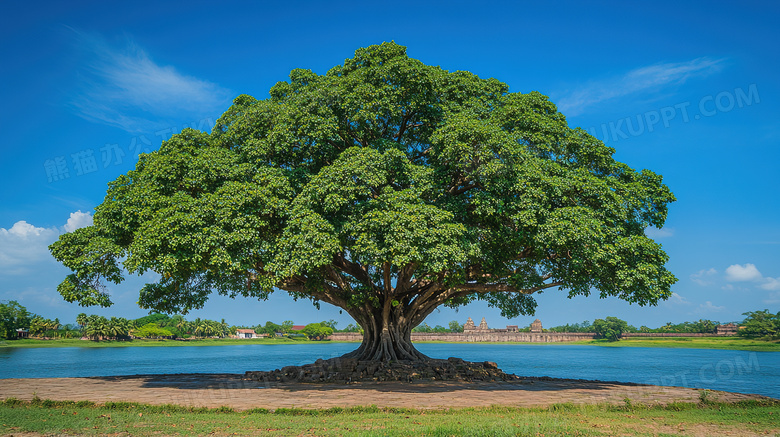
(387, 336)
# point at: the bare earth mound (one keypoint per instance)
(241, 393)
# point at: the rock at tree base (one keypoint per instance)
(349, 370)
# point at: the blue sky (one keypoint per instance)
(686, 89)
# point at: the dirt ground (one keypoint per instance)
(215, 390)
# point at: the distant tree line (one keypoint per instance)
(13, 316)
(757, 324)
(454, 326)
(701, 326)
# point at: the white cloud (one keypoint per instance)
(23, 247)
(124, 87)
(771, 284)
(704, 277)
(45, 296)
(708, 307)
(78, 220)
(655, 233)
(731, 287)
(742, 273)
(648, 78)
(23, 230)
(749, 273)
(772, 299)
(676, 299)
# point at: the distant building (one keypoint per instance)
(298, 328)
(22, 333)
(727, 329)
(536, 326)
(469, 326)
(246, 333)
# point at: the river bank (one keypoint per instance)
(239, 393)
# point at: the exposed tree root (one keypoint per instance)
(348, 370)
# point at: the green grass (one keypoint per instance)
(85, 418)
(732, 343)
(74, 342)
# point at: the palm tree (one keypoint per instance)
(216, 328)
(116, 328)
(224, 329)
(52, 327)
(82, 321)
(197, 327)
(124, 326)
(37, 326)
(92, 318)
(182, 325)
(98, 328)
(209, 328)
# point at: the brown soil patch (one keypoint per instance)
(215, 390)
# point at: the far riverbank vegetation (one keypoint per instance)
(26, 328)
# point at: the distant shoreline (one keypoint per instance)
(727, 343)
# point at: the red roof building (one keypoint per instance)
(246, 333)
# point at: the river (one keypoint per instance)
(728, 370)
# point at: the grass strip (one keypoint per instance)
(87, 418)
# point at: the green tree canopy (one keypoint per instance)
(385, 187)
(156, 318)
(610, 328)
(317, 331)
(151, 330)
(13, 316)
(760, 324)
(270, 328)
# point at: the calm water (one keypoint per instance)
(736, 371)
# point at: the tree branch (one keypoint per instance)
(401, 127)
(456, 191)
(328, 294)
(386, 276)
(403, 282)
(493, 288)
(421, 154)
(338, 279)
(419, 312)
(353, 269)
